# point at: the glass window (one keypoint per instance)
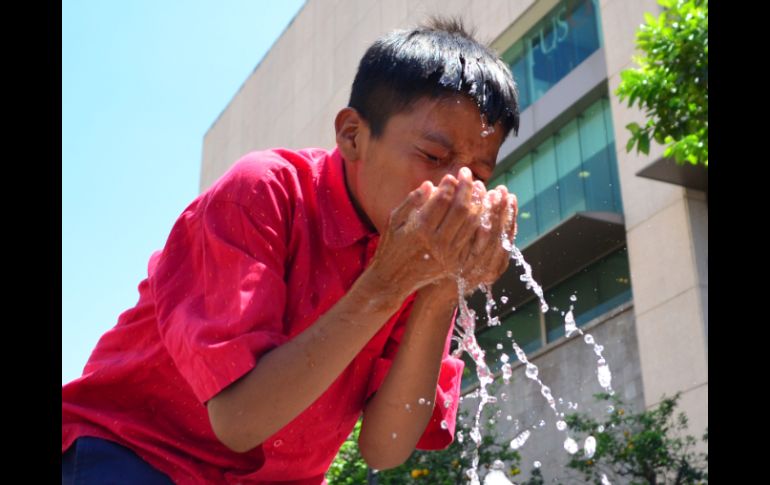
(574, 170)
(558, 43)
(598, 288)
(596, 159)
(521, 182)
(546, 186)
(614, 177)
(524, 324)
(568, 163)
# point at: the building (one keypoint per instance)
(626, 234)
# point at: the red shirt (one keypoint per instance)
(251, 263)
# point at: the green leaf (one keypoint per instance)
(644, 143)
(633, 127)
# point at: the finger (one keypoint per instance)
(473, 219)
(457, 214)
(414, 200)
(484, 232)
(513, 201)
(435, 209)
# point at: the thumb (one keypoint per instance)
(414, 200)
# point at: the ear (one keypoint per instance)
(351, 130)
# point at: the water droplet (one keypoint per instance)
(508, 417)
(408, 407)
(447, 403)
(531, 371)
(460, 437)
(504, 299)
(605, 481)
(499, 346)
(444, 424)
(504, 358)
(610, 408)
(573, 298)
(537, 464)
(600, 429)
(421, 400)
(507, 372)
(394, 435)
(569, 324)
(509, 334)
(570, 446)
(605, 376)
(589, 339)
(542, 423)
(544, 308)
(518, 441)
(277, 443)
(561, 425)
(590, 447)
(426, 256)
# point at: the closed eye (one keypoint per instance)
(430, 157)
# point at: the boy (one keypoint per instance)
(305, 288)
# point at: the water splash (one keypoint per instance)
(603, 373)
(465, 336)
(518, 441)
(590, 447)
(571, 446)
(466, 328)
(496, 476)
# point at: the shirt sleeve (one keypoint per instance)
(219, 281)
(435, 437)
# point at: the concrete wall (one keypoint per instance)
(568, 367)
(667, 236)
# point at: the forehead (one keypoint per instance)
(454, 115)
(453, 121)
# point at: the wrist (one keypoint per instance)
(442, 294)
(377, 288)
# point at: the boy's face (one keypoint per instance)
(436, 137)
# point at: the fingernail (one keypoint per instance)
(465, 172)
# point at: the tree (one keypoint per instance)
(645, 448)
(671, 83)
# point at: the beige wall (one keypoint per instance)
(667, 235)
(292, 96)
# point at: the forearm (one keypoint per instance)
(413, 376)
(295, 374)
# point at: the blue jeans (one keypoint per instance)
(94, 460)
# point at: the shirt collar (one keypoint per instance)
(340, 223)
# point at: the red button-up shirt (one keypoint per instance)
(250, 264)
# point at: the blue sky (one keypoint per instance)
(142, 81)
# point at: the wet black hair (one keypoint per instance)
(436, 59)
